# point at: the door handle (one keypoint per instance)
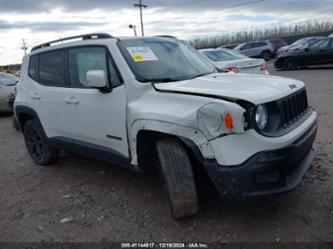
(72, 101)
(36, 96)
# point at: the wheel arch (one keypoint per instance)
(24, 114)
(146, 132)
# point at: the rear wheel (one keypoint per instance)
(177, 178)
(266, 55)
(36, 142)
(290, 64)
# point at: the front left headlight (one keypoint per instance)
(261, 116)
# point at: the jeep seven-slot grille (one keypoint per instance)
(293, 107)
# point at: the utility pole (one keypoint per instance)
(141, 6)
(24, 47)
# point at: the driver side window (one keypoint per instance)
(84, 59)
(320, 44)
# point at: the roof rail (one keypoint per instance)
(84, 37)
(166, 36)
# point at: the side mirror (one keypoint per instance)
(97, 78)
(306, 49)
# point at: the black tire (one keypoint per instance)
(15, 124)
(36, 143)
(266, 55)
(177, 178)
(290, 64)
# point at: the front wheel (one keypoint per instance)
(36, 142)
(177, 178)
(290, 64)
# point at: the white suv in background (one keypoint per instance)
(258, 49)
(130, 101)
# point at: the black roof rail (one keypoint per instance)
(84, 37)
(166, 36)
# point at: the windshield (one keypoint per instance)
(161, 59)
(223, 55)
(305, 40)
(8, 79)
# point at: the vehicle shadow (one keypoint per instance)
(307, 69)
(136, 186)
(5, 114)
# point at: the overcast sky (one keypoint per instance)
(38, 21)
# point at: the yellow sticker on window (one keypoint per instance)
(139, 54)
(137, 57)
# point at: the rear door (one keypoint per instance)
(246, 49)
(48, 89)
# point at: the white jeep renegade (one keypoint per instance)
(127, 100)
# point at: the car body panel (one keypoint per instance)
(256, 89)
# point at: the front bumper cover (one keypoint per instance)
(267, 172)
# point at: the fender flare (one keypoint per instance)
(24, 110)
(191, 137)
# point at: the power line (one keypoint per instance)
(141, 6)
(245, 3)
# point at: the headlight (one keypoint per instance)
(261, 117)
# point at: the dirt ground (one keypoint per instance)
(82, 200)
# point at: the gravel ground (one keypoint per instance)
(82, 200)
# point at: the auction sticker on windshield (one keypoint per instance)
(142, 54)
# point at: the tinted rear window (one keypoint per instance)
(52, 68)
(33, 67)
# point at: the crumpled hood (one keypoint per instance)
(257, 89)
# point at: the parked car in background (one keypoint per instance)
(231, 60)
(277, 44)
(299, 44)
(7, 88)
(229, 46)
(318, 53)
(261, 49)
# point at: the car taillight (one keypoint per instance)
(263, 67)
(233, 69)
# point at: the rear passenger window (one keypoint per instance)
(52, 68)
(33, 67)
(84, 59)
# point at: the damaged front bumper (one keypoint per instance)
(265, 173)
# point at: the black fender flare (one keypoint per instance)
(19, 110)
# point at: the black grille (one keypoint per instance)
(293, 107)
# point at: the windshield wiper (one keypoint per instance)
(162, 80)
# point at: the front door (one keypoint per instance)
(96, 118)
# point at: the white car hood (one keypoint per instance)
(257, 89)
